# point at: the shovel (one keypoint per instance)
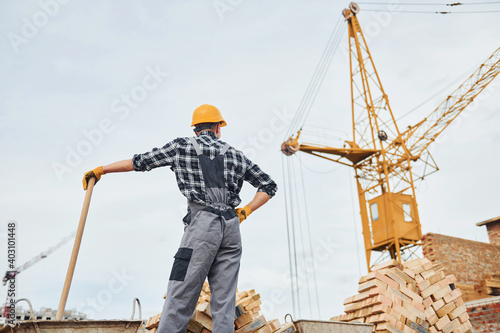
(76, 248)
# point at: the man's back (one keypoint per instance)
(181, 156)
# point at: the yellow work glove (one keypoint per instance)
(96, 173)
(243, 213)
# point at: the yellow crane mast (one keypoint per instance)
(382, 155)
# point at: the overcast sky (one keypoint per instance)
(86, 83)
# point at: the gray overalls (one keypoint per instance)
(210, 246)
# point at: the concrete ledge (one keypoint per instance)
(71, 326)
(318, 326)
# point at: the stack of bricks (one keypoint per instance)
(414, 297)
(443, 304)
(247, 316)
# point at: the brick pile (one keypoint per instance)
(247, 316)
(414, 297)
(453, 252)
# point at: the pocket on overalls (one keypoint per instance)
(181, 263)
(232, 234)
(206, 227)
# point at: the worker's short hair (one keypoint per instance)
(204, 126)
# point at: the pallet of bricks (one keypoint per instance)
(416, 296)
(247, 316)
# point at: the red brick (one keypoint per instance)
(453, 253)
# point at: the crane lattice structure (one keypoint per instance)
(12, 274)
(383, 156)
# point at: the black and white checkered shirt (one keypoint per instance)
(181, 156)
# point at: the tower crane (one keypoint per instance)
(12, 274)
(383, 155)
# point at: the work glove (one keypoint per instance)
(243, 213)
(96, 173)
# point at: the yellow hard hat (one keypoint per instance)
(207, 114)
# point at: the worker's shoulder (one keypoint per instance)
(182, 140)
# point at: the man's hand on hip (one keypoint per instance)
(243, 213)
(96, 173)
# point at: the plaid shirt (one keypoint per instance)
(180, 155)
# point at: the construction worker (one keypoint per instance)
(210, 174)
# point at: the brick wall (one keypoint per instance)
(469, 260)
(484, 316)
(494, 232)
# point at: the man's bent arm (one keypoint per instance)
(120, 166)
(260, 199)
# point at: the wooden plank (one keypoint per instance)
(254, 325)
(445, 310)
(353, 307)
(409, 272)
(415, 311)
(412, 263)
(194, 326)
(453, 325)
(453, 295)
(428, 302)
(205, 308)
(436, 277)
(265, 329)
(441, 292)
(414, 296)
(408, 279)
(438, 304)
(203, 319)
(243, 320)
(275, 324)
(430, 290)
(361, 297)
(388, 264)
(442, 323)
(367, 277)
(492, 283)
(463, 317)
(387, 280)
(253, 305)
(371, 284)
(287, 328)
(390, 274)
(464, 328)
(458, 311)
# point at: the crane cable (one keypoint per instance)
(301, 234)
(317, 78)
(309, 234)
(292, 206)
(292, 201)
(431, 12)
(429, 4)
(288, 219)
(295, 216)
(454, 4)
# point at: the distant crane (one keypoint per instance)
(11, 274)
(382, 155)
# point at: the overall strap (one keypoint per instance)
(224, 149)
(196, 146)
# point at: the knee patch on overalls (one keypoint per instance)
(181, 263)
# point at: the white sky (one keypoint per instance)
(69, 76)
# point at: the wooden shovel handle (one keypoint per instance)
(76, 249)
